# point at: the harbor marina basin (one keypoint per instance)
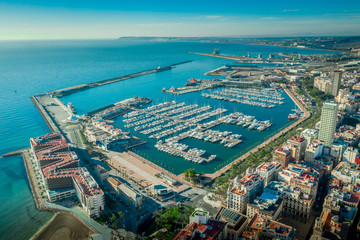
(224, 155)
(250, 138)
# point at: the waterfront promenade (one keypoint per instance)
(32, 181)
(142, 170)
(273, 138)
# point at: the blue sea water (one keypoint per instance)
(32, 67)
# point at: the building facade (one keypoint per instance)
(61, 175)
(328, 122)
(336, 83)
(243, 191)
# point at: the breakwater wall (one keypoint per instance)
(82, 87)
(51, 124)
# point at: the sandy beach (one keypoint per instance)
(64, 226)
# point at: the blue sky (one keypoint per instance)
(54, 19)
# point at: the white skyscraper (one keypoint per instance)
(328, 122)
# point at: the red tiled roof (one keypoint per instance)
(54, 147)
(196, 231)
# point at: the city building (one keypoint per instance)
(130, 195)
(295, 202)
(283, 155)
(347, 172)
(318, 153)
(300, 177)
(315, 149)
(235, 222)
(61, 175)
(347, 135)
(101, 173)
(161, 192)
(351, 154)
(324, 83)
(298, 146)
(114, 183)
(310, 135)
(201, 227)
(105, 135)
(267, 204)
(318, 170)
(88, 192)
(269, 171)
(260, 227)
(338, 215)
(328, 122)
(243, 191)
(125, 192)
(336, 83)
(329, 83)
(330, 226)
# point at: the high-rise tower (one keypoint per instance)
(336, 83)
(328, 122)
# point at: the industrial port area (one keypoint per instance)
(92, 165)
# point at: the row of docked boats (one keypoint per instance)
(265, 93)
(236, 100)
(247, 121)
(226, 138)
(168, 132)
(233, 93)
(179, 149)
(175, 120)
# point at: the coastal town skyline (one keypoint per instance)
(179, 120)
(29, 20)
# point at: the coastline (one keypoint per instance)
(250, 44)
(60, 223)
(42, 207)
(43, 227)
(31, 177)
(256, 148)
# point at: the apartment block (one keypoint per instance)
(62, 176)
(243, 191)
(201, 227)
(295, 202)
(260, 227)
(282, 155)
(298, 146)
(269, 171)
(235, 222)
